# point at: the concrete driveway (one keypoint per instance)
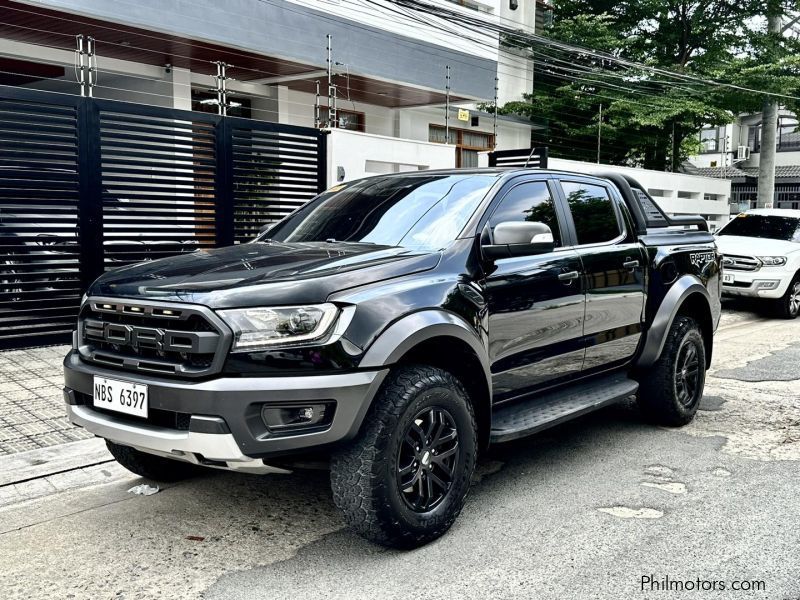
(604, 507)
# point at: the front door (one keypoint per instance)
(613, 265)
(536, 303)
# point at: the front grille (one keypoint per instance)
(153, 338)
(155, 416)
(741, 263)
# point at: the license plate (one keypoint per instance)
(121, 396)
(728, 278)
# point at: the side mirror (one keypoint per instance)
(517, 238)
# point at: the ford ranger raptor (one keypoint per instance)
(398, 325)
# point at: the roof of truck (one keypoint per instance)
(489, 171)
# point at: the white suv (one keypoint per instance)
(761, 257)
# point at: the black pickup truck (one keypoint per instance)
(398, 325)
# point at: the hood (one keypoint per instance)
(751, 246)
(268, 273)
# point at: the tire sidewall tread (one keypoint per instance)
(362, 474)
(657, 396)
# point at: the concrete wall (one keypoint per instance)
(414, 124)
(363, 154)
(297, 108)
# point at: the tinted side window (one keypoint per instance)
(528, 202)
(592, 211)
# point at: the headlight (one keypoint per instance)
(772, 261)
(266, 327)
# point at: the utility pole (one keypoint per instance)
(599, 131)
(769, 118)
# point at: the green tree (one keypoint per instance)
(650, 118)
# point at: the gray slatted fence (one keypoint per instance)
(87, 185)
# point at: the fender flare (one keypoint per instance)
(657, 333)
(413, 329)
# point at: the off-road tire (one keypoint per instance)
(787, 307)
(364, 475)
(151, 466)
(661, 385)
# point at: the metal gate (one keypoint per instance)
(87, 185)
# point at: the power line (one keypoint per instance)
(537, 39)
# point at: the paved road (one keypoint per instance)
(583, 511)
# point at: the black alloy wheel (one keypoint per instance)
(404, 479)
(671, 389)
(687, 372)
(427, 459)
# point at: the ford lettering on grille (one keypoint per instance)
(152, 338)
(148, 337)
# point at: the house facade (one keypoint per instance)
(733, 152)
(368, 67)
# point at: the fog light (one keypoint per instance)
(296, 416)
(767, 285)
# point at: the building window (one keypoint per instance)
(754, 137)
(544, 15)
(788, 135)
(787, 196)
(468, 143)
(709, 140)
(743, 196)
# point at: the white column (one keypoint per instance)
(181, 88)
(284, 109)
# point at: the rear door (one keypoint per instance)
(613, 264)
(536, 303)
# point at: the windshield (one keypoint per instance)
(771, 227)
(424, 212)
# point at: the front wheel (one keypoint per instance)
(403, 481)
(788, 307)
(670, 391)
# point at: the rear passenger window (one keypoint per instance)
(592, 211)
(528, 202)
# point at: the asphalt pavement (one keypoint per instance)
(603, 507)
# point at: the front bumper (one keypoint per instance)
(224, 426)
(769, 283)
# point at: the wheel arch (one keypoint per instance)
(444, 340)
(687, 297)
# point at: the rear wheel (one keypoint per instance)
(670, 391)
(403, 481)
(788, 307)
(151, 466)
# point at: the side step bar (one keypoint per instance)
(520, 419)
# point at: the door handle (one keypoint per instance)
(630, 264)
(568, 276)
